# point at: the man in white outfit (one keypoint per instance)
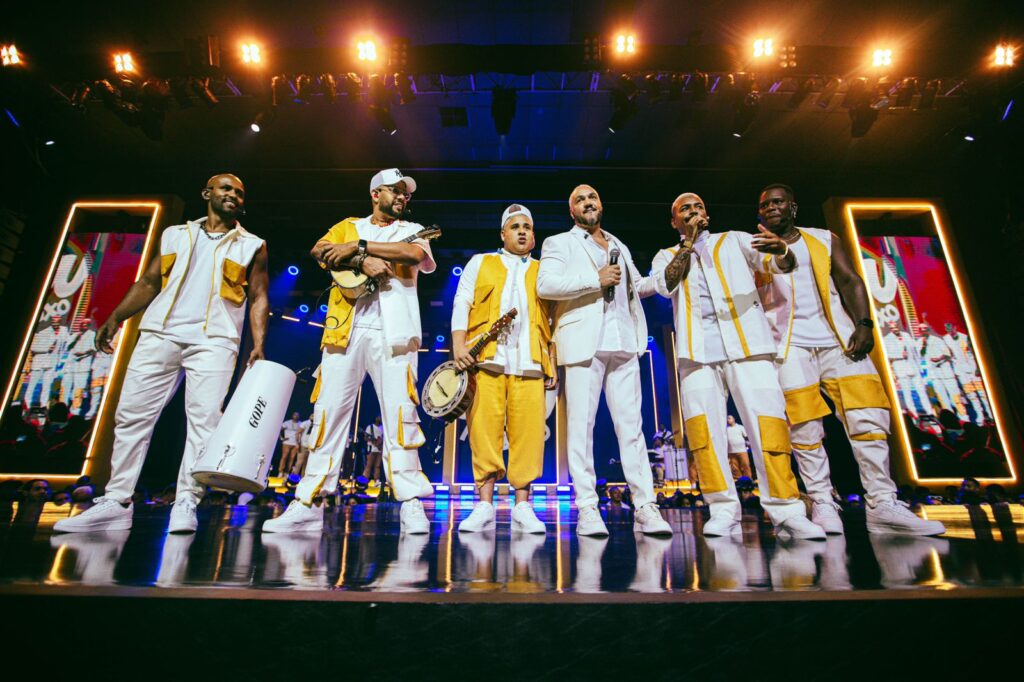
(599, 332)
(78, 365)
(377, 334)
(939, 359)
(906, 366)
(739, 459)
(194, 295)
(48, 345)
(965, 366)
(725, 346)
(812, 311)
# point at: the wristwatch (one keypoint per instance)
(361, 250)
(866, 322)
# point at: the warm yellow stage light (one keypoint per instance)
(882, 58)
(367, 50)
(10, 55)
(625, 43)
(764, 47)
(124, 63)
(1004, 55)
(251, 53)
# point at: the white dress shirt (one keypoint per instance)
(617, 334)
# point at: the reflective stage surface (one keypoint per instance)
(362, 555)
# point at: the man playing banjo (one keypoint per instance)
(378, 333)
(513, 371)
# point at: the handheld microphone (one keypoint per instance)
(613, 259)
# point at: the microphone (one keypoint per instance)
(613, 259)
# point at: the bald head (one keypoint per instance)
(225, 197)
(585, 207)
(689, 216)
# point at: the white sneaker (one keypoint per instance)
(800, 528)
(648, 521)
(297, 518)
(825, 513)
(183, 517)
(524, 519)
(722, 524)
(414, 520)
(481, 518)
(105, 514)
(590, 522)
(893, 516)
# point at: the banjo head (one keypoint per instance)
(443, 390)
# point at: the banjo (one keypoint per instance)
(354, 283)
(448, 391)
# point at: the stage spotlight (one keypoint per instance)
(353, 85)
(303, 88)
(406, 87)
(764, 47)
(10, 55)
(380, 110)
(201, 86)
(457, 271)
(1004, 56)
(969, 138)
(293, 270)
(881, 58)
(323, 307)
(303, 308)
(255, 127)
(262, 120)
(80, 95)
(625, 44)
(746, 106)
(439, 338)
(124, 62)
(251, 54)
(503, 109)
(50, 143)
(366, 50)
(329, 87)
(623, 103)
(650, 340)
(787, 57)
(153, 100)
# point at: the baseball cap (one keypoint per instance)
(392, 176)
(515, 209)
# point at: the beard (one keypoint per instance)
(390, 210)
(590, 219)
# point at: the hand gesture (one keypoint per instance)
(106, 334)
(860, 344)
(334, 256)
(377, 269)
(609, 275)
(767, 241)
(463, 359)
(256, 354)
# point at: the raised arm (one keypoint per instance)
(138, 298)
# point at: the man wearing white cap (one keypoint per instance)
(513, 372)
(600, 331)
(377, 334)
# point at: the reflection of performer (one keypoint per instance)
(822, 348)
(99, 371)
(965, 366)
(939, 357)
(374, 434)
(291, 433)
(906, 366)
(377, 334)
(600, 330)
(78, 365)
(739, 460)
(48, 347)
(724, 345)
(513, 370)
(194, 298)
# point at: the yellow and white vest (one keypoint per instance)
(729, 262)
(225, 309)
(777, 292)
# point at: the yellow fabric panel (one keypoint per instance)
(166, 263)
(821, 266)
(410, 385)
(862, 390)
(320, 431)
(777, 452)
(689, 325)
(712, 479)
(728, 298)
(831, 387)
(233, 281)
(540, 326)
(409, 433)
(338, 323)
(869, 436)
(805, 404)
(811, 446)
(486, 308)
(316, 390)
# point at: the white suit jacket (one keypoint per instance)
(568, 276)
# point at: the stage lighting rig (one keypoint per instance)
(881, 58)
(787, 57)
(764, 47)
(1005, 56)
(366, 50)
(652, 87)
(303, 88)
(675, 86)
(625, 44)
(124, 62)
(10, 55)
(353, 85)
(503, 109)
(592, 49)
(624, 107)
(398, 53)
(201, 87)
(858, 101)
(697, 84)
(380, 104)
(251, 54)
(280, 90)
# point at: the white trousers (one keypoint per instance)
(974, 391)
(912, 384)
(618, 375)
(342, 371)
(77, 379)
(861, 405)
(754, 385)
(37, 377)
(154, 374)
(947, 391)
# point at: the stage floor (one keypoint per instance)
(362, 556)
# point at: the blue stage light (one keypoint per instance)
(323, 307)
(457, 271)
(650, 339)
(440, 338)
(304, 308)
(293, 270)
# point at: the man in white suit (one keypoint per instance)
(599, 332)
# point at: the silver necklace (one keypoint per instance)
(211, 237)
